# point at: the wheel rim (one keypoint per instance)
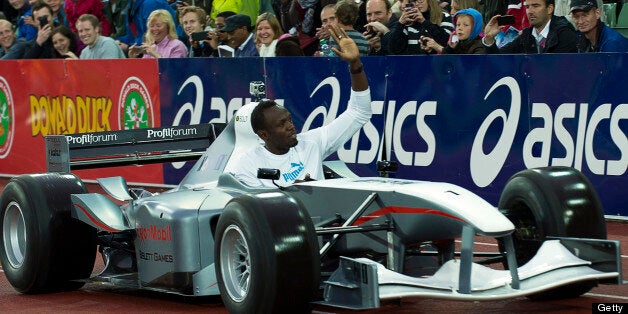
(14, 234)
(235, 263)
(528, 235)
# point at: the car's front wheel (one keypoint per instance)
(266, 255)
(552, 201)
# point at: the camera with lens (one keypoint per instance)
(257, 89)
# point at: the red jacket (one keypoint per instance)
(76, 8)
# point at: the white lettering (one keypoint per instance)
(485, 167)
(619, 167)
(542, 135)
(563, 136)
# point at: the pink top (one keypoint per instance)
(169, 48)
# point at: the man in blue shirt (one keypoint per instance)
(239, 29)
(597, 36)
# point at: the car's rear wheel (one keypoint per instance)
(552, 201)
(266, 254)
(43, 247)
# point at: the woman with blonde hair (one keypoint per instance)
(160, 40)
(267, 32)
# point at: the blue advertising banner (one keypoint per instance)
(471, 120)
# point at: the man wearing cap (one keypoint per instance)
(238, 27)
(597, 36)
(547, 33)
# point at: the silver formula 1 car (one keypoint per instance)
(346, 241)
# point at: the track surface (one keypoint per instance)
(95, 298)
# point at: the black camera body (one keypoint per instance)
(43, 21)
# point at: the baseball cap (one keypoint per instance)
(236, 21)
(582, 5)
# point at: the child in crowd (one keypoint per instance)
(464, 40)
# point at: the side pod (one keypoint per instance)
(99, 212)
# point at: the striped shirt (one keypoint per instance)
(358, 38)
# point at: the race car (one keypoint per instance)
(346, 241)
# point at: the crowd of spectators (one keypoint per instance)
(108, 29)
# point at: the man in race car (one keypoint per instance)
(299, 157)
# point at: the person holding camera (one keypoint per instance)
(547, 33)
(194, 21)
(161, 39)
(380, 19)
(419, 18)
(41, 47)
(299, 157)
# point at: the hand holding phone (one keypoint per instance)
(505, 20)
(200, 36)
(43, 21)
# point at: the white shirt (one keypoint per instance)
(543, 33)
(312, 148)
(268, 51)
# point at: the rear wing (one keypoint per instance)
(129, 147)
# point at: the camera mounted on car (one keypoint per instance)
(257, 89)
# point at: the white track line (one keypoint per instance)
(606, 296)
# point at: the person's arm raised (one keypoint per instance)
(349, 52)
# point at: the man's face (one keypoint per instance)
(238, 36)
(191, 23)
(7, 35)
(41, 13)
(538, 12)
(220, 23)
(328, 17)
(87, 32)
(376, 11)
(279, 133)
(586, 21)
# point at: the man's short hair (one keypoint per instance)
(200, 12)
(92, 19)
(347, 12)
(7, 24)
(40, 5)
(225, 14)
(258, 122)
(386, 2)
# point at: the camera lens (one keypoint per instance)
(261, 88)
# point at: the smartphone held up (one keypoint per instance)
(200, 36)
(505, 20)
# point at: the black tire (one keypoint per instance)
(277, 254)
(552, 201)
(43, 247)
